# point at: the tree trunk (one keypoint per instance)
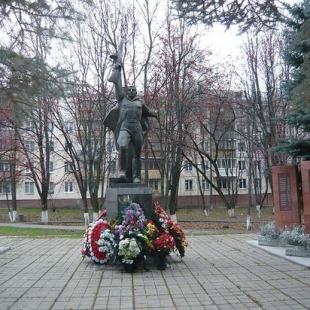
(86, 214)
(175, 178)
(44, 213)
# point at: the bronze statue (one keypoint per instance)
(129, 123)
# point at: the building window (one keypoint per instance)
(4, 167)
(29, 126)
(205, 185)
(153, 184)
(257, 166)
(242, 183)
(51, 187)
(50, 166)
(241, 164)
(154, 164)
(68, 166)
(69, 187)
(205, 146)
(52, 146)
(5, 187)
(3, 145)
(30, 146)
(226, 163)
(224, 184)
(241, 147)
(29, 187)
(28, 167)
(50, 126)
(205, 165)
(68, 146)
(226, 144)
(258, 183)
(69, 127)
(188, 185)
(188, 166)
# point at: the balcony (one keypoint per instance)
(228, 173)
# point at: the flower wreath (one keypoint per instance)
(99, 242)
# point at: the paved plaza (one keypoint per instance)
(217, 272)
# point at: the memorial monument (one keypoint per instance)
(286, 196)
(129, 123)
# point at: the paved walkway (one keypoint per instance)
(217, 272)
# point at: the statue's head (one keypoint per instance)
(131, 92)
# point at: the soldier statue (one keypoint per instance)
(129, 123)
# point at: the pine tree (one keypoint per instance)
(246, 14)
(297, 55)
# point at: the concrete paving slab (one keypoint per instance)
(218, 272)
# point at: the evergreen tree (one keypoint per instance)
(246, 14)
(297, 55)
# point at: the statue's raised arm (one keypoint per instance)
(116, 74)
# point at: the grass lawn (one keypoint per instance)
(220, 213)
(189, 218)
(74, 216)
(40, 232)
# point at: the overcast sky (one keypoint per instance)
(227, 44)
(223, 44)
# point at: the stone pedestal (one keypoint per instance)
(265, 241)
(299, 251)
(120, 194)
(305, 177)
(286, 197)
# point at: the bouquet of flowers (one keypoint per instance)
(179, 238)
(166, 225)
(164, 243)
(149, 234)
(161, 218)
(133, 220)
(130, 251)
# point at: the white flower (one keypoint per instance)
(128, 248)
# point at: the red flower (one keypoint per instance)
(164, 242)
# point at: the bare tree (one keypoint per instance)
(89, 150)
(175, 70)
(29, 82)
(30, 90)
(82, 143)
(9, 174)
(264, 100)
(211, 147)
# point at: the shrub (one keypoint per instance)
(270, 231)
(296, 236)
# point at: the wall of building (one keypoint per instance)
(184, 201)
